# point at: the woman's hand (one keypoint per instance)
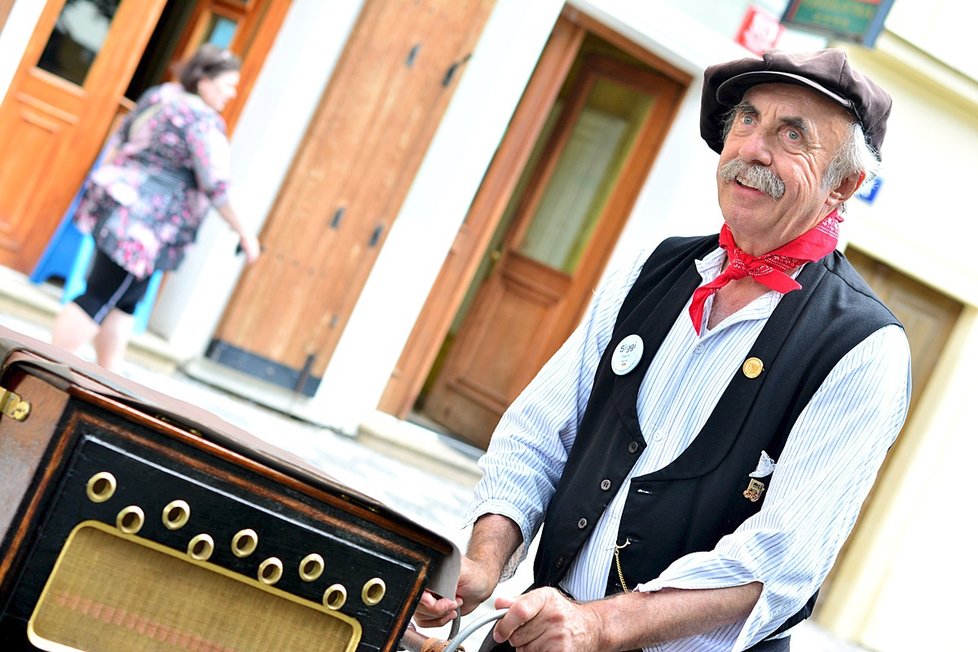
(250, 246)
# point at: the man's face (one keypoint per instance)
(794, 133)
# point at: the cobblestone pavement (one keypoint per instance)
(433, 500)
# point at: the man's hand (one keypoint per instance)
(476, 583)
(544, 620)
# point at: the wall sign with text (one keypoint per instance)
(859, 21)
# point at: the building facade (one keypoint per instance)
(439, 185)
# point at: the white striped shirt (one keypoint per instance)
(822, 477)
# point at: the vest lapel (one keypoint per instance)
(718, 435)
(652, 319)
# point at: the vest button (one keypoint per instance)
(560, 562)
(605, 485)
(632, 447)
(581, 524)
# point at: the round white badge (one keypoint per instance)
(627, 354)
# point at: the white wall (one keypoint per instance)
(922, 579)
(909, 573)
(14, 38)
(930, 155)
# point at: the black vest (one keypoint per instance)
(691, 503)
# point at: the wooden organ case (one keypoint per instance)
(131, 521)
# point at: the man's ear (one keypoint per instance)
(847, 188)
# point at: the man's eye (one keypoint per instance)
(747, 119)
(794, 135)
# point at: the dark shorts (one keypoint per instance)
(110, 286)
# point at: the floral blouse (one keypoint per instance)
(170, 161)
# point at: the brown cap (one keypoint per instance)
(826, 71)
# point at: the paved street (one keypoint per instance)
(435, 494)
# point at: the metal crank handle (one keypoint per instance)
(467, 631)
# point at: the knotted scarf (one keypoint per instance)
(768, 269)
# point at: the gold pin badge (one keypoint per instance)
(754, 490)
(753, 367)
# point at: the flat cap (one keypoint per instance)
(826, 71)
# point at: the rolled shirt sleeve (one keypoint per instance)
(822, 478)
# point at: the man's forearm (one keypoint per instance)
(493, 541)
(640, 619)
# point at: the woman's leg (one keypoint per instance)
(103, 312)
(73, 328)
(112, 338)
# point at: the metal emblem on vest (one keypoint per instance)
(753, 367)
(754, 490)
(627, 354)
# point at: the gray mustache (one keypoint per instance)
(756, 176)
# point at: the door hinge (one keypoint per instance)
(412, 55)
(12, 405)
(337, 217)
(305, 372)
(375, 236)
(452, 69)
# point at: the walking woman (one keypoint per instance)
(165, 166)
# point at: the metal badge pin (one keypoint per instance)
(627, 354)
(754, 490)
(753, 367)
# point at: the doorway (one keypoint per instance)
(85, 65)
(596, 111)
(347, 181)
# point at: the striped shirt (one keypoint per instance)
(821, 479)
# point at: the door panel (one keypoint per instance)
(488, 210)
(927, 315)
(59, 107)
(522, 296)
(358, 158)
(564, 226)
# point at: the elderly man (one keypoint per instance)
(699, 449)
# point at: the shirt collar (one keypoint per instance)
(710, 266)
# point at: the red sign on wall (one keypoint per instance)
(759, 30)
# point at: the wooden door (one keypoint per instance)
(58, 109)
(927, 315)
(358, 158)
(580, 187)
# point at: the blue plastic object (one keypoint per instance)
(69, 255)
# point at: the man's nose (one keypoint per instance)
(755, 149)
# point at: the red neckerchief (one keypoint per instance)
(769, 269)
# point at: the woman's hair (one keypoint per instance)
(207, 63)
